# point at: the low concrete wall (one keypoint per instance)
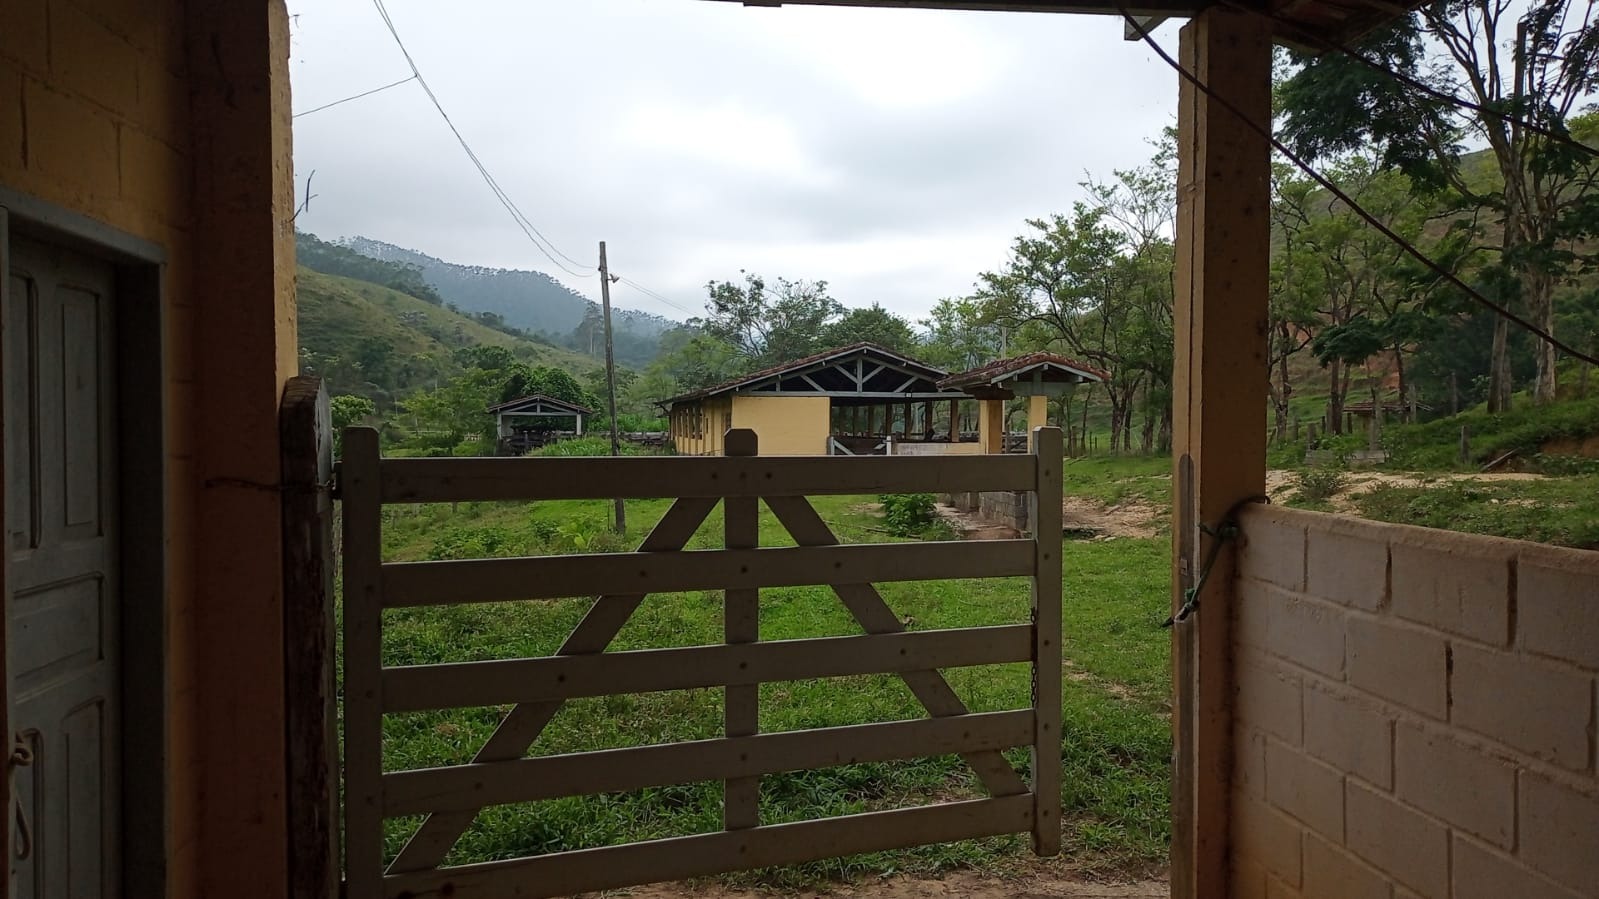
(1416, 713)
(1001, 507)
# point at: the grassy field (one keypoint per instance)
(1116, 744)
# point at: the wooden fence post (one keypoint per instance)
(741, 807)
(305, 432)
(359, 491)
(1045, 517)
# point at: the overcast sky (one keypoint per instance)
(892, 153)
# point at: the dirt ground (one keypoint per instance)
(1283, 484)
(963, 884)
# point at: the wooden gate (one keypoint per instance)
(450, 797)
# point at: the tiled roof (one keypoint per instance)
(995, 371)
(743, 380)
(544, 398)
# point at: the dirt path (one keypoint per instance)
(1281, 485)
(964, 884)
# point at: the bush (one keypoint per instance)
(1318, 484)
(474, 543)
(908, 514)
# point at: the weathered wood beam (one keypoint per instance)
(1219, 428)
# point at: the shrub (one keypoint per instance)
(908, 514)
(1318, 484)
(473, 543)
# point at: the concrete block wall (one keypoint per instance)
(1415, 714)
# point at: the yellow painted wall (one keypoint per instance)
(786, 425)
(170, 121)
(697, 428)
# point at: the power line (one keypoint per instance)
(375, 90)
(1328, 43)
(1347, 200)
(652, 294)
(522, 221)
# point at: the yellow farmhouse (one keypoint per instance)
(865, 399)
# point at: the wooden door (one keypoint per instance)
(62, 627)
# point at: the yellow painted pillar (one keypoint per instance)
(1037, 417)
(991, 425)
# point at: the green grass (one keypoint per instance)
(1116, 746)
(1561, 511)
(1434, 445)
(1114, 479)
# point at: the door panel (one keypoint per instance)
(62, 599)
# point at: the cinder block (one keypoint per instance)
(1305, 789)
(71, 143)
(1266, 836)
(155, 177)
(1273, 548)
(12, 136)
(1248, 878)
(1531, 705)
(1276, 889)
(1404, 665)
(1350, 734)
(1453, 582)
(1557, 604)
(1482, 873)
(1268, 700)
(1252, 613)
(1306, 633)
(91, 61)
(1468, 789)
(1331, 873)
(1249, 762)
(24, 38)
(1558, 827)
(1346, 561)
(1405, 844)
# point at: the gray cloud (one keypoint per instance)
(892, 153)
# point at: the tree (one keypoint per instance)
(348, 410)
(1068, 274)
(765, 325)
(1532, 70)
(870, 323)
(960, 334)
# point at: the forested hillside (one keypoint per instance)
(377, 342)
(526, 300)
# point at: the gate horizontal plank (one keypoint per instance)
(469, 684)
(408, 584)
(611, 867)
(463, 480)
(464, 787)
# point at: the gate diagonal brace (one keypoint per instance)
(439, 832)
(802, 522)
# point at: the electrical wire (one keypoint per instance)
(1409, 248)
(653, 295)
(1327, 43)
(522, 221)
(375, 90)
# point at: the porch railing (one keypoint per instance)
(451, 797)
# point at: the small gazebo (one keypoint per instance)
(1037, 376)
(516, 439)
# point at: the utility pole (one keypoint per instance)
(610, 377)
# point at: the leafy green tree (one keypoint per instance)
(346, 411)
(870, 323)
(960, 334)
(1530, 64)
(768, 325)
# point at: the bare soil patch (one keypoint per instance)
(1282, 485)
(1132, 517)
(1029, 884)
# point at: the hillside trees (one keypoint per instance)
(1533, 68)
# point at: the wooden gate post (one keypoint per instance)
(1219, 415)
(741, 624)
(305, 437)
